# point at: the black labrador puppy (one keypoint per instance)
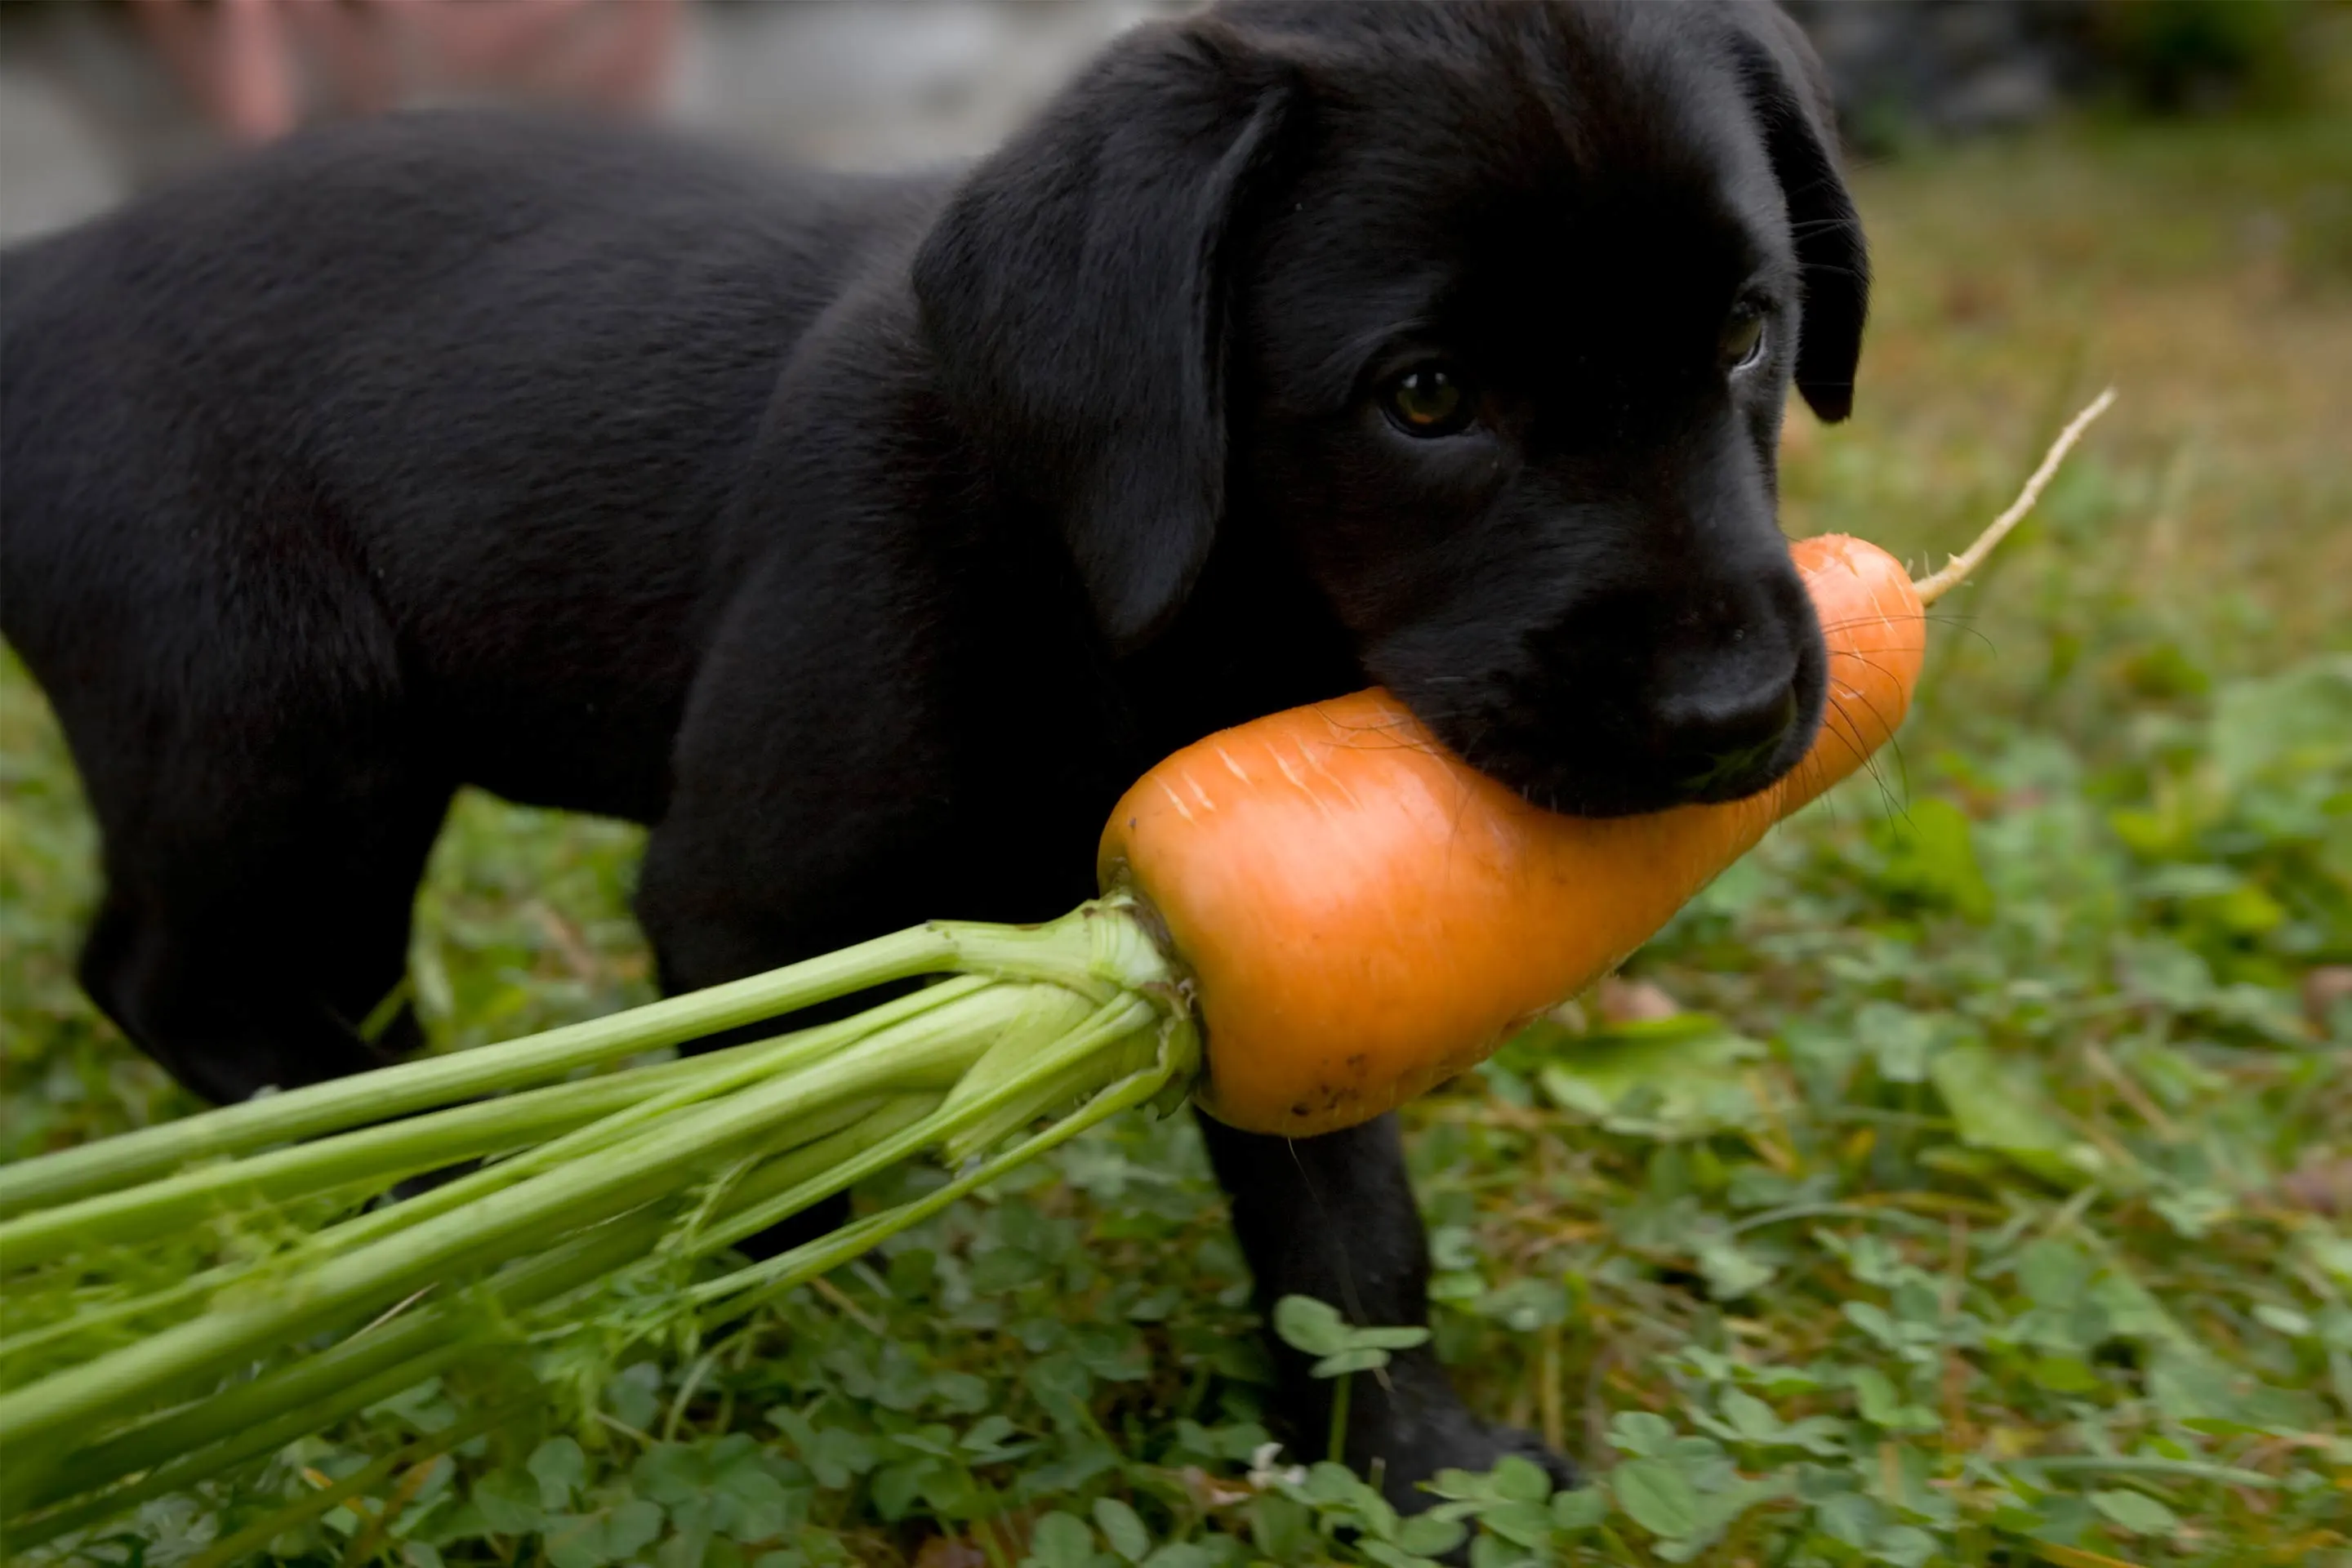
(866, 537)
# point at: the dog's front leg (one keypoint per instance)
(1333, 1217)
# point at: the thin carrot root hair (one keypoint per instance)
(1936, 584)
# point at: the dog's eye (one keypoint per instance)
(1430, 400)
(1742, 344)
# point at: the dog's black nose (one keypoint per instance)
(1715, 738)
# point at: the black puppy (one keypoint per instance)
(866, 537)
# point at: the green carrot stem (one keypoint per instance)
(382, 1155)
(138, 1211)
(925, 1051)
(179, 1297)
(186, 1447)
(249, 1444)
(1019, 1049)
(438, 1081)
(202, 1439)
(824, 1134)
(382, 1362)
(768, 1280)
(320, 1389)
(1016, 1060)
(1107, 1024)
(981, 1111)
(771, 1061)
(1094, 946)
(91, 1318)
(1096, 949)
(751, 1208)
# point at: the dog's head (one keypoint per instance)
(1489, 311)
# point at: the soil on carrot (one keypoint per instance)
(1963, 1179)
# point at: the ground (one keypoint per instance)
(1984, 1202)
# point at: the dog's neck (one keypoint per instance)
(1255, 637)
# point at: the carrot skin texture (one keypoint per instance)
(1876, 629)
(1366, 916)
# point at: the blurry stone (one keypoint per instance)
(951, 1552)
(2325, 989)
(2321, 1186)
(1620, 1000)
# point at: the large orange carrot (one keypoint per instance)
(1366, 916)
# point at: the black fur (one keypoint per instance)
(866, 537)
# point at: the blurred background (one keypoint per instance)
(2116, 839)
(100, 96)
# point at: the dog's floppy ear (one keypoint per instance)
(1075, 293)
(1792, 96)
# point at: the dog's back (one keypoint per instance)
(386, 460)
(417, 384)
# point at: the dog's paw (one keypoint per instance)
(1405, 1447)
(1516, 1441)
(1406, 1453)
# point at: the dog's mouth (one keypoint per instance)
(1596, 785)
(1575, 790)
(1583, 759)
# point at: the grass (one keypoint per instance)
(1984, 1202)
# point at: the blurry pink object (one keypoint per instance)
(244, 60)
